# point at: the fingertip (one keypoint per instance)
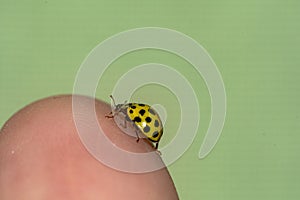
(43, 157)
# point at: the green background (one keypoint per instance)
(255, 44)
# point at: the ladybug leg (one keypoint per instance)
(156, 150)
(109, 115)
(137, 136)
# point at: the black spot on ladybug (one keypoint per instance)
(155, 134)
(148, 119)
(137, 119)
(151, 111)
(142, 112)
(131, 111)
(133, 107)
(156, 123)
(146, 129)
(140, 104)
(130, 104)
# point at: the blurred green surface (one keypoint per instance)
(255, 44)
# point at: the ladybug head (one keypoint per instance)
(118, 107)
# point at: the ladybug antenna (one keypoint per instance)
(112, 98)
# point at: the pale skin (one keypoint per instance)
(42, 157)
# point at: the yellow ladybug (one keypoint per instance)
(139, 119)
